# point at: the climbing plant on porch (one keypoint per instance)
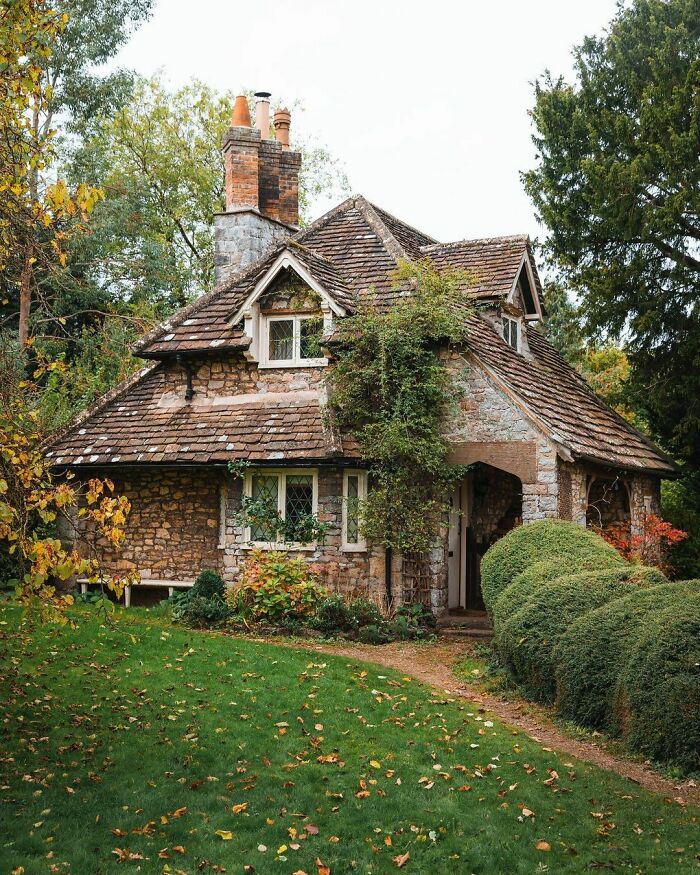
(389, 388)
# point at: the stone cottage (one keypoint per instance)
(238, 375)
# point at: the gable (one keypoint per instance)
(290, 275)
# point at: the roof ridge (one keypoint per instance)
(525, 238)
(102, 401)
(401, 222)
(387, 239)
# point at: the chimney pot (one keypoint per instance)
(283, 119)
(241, 113)
(262, 114)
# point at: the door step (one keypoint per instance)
(475, 633)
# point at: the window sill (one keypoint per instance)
(352, 548)
(287, 548)
(309, 363)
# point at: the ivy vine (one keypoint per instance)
(390, 388)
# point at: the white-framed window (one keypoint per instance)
(354, 493)
(291, 340)
(294, 492)
(511, 332)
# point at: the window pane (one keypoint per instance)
(299, 505)
(310, 331)
(352, 515)
(281, 340)
(264, 494)
(513, 334)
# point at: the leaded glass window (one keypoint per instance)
(291, 496)
(352, 524)
(264, 492)
(281, 333)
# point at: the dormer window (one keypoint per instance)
(291, 340)
(511, 332)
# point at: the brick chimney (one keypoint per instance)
(261, 184)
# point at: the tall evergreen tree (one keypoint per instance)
(617, 184)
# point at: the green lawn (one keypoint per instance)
(219, 753)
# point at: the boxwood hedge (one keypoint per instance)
(528, 639)
(556, 540)
(514, 596)
(658, 699)
(595, 649)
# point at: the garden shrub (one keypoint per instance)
(374, 633)
(332, 615)
(595, 649)
(208, 584)
(203, 604)
(363, 612)
(362, 620)
(658, 698)
(198, 611)
(527, 640)
(273, 587)
(556, 540)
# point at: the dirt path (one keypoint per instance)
(432, 664)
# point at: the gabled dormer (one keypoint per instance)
(289, 310)
(523, 293)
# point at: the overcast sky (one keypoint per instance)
(424, 101)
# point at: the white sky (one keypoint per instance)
(424, 101)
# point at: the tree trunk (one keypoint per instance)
(25, 296)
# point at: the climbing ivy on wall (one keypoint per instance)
(390, 388)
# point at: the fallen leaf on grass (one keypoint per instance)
(224, 834)
(236, 809)
(543, 846)
(401, 860)
(124, 854)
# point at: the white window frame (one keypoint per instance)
(361, 545)
(281, 474)
(510, 322)
(296, 361)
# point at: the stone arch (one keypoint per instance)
(607, 502)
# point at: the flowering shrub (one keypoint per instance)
(649, 545)
(273, 587)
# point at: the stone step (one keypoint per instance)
(483, 634)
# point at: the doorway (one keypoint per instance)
(484, 506)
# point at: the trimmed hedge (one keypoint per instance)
(658, 701)
(555, 540)
(514, 596)
(594, 651)
(528, 639)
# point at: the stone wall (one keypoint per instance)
(341, 571)
(172, 532)
(638, 495)
(484, 415)
(241, 238)
(226, 375)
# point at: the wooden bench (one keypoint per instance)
(171, 585)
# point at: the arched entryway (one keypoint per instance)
(486, 505)
(608, 502)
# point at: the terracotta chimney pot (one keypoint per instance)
(241, 113)
(283, 119)
(262, 114)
